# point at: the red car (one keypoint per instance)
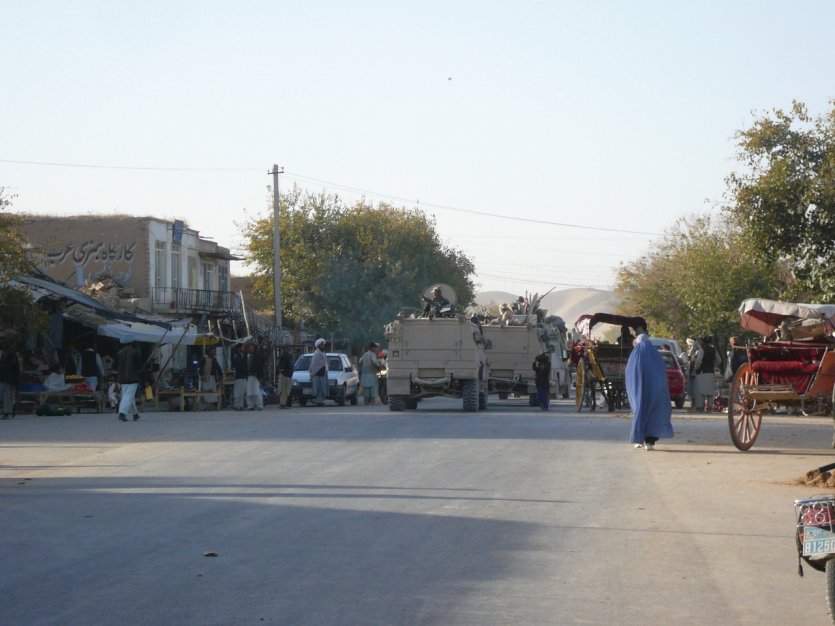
(675, 378)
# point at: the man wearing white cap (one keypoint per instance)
(319, 372)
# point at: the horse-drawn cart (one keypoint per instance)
(792, 367)
(600, 358)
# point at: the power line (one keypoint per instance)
(301, 177)
(132, 167)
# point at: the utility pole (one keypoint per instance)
(276, 253)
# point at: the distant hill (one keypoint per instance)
(569, 304)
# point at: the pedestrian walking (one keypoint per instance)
(649, 395)
(369, 366)
(319, 372)
(255, 370)
(210, 376)
(705, 378)
(285, 376)
(9, 379)
(542, 379)
(241, 373)
(129, 365)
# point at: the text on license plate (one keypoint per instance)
(817, 541)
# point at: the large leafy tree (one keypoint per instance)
(783, 198)
(693, 280)
(350, 269)
(17, 310)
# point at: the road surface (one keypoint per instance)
(357, 515)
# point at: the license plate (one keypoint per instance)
(817, 541)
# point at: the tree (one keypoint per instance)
(784, 198)
(693, 280)
(350, 269)
(13, 244)
(17, 310)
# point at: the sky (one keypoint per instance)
(550, 140)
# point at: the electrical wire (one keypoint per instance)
(301, 177)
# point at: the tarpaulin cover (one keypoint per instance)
(765, 316)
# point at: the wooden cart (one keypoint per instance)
(600, 358)
(793, 365)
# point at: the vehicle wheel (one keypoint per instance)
(833, 415)
(533, 400)
(679, 403)
(410, 403)
(580, 386)
(744, 419)
(395, 403)
(470, 396)
(482, 401)
(340, 396)
(503, 395)
(830, 587)
(610, 395)
(302, 401)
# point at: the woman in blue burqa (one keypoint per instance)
(649, 394)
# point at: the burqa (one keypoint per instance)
(648, 391)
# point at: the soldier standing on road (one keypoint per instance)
(542, 379)
(241, 373)
(319, 372)
(285, 376)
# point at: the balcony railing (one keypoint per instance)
(182, 300)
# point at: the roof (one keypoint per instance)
(764, 316)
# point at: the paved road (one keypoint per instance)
(356, 515)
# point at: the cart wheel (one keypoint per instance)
(579, 386)
(744, 419)
(833, 415)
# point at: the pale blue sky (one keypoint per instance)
(602, 114)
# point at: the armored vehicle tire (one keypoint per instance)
(410, 403)
(503, 395)
(302, 401)
(470, 392)
(482, 401)
(533, 400)
(395, 403)
(339, 398)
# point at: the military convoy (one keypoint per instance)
(444, 354)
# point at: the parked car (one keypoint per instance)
(675, 378)
(343, 381)
(669, 344)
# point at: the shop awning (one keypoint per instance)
(137, 331)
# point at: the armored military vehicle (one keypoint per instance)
(512, 343)
(436, 355)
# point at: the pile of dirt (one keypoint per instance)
(816, 478)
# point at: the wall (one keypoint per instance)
(87, 247)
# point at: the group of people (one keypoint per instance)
(248, 366)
